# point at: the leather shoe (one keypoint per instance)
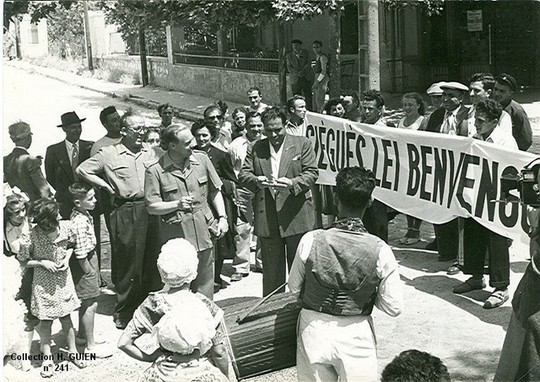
(470, 285)
(496, 299)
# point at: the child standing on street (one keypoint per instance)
(48, 251)
(16, 229)
(84, 265)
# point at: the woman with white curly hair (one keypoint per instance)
(187, 328)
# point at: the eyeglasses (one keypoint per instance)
(215, 117)
(157, 140)
(137, 129)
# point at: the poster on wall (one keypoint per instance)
(474, 21)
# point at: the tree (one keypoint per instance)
(66, 31)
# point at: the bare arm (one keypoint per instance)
(90, 170)
(220, 358)
(126, 343)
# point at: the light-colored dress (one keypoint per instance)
(53, 294)
(413, 126)
(197, 368)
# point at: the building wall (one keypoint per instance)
(218, 83)
(34, 39)
(104, 37)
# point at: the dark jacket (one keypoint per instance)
(60, 173)
(437, 117)
(23, 170)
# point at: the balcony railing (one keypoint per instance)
(254, 64)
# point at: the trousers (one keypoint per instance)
(277, 253)
(477, 240)
(133, 257)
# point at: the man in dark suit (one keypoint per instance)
(62, 159)
(280, 171)
(451, 119)
(300, 74)
(21, 169)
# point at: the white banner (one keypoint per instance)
(430, 176)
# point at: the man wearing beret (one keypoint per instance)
(21, 169)
(450, 119)
(62, 159)
(505, 86)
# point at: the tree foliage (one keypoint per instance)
(65, 30)
(36, 9)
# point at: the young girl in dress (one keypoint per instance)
(53, 294)
(17, 281)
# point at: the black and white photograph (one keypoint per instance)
(271, 190)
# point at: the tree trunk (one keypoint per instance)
(17, 38)
(142, 46)
(334, 47)
(282, 68)
(87, 37)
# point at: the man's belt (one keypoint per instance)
(119, 202)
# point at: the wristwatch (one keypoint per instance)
(223, 217)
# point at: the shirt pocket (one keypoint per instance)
(202, 182)
(121, 171)
(169, 192)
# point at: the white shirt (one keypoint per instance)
(262, 107)
(413, 126)
(505, 122)
(501, 138)
(449, 122)
(275, 159)
(390, 292)
(69, 147)
(103, 142)
(238, 151)
(293, 129)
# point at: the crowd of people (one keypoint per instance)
(178, 200)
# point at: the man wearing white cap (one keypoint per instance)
(450, 119)
(435, 93)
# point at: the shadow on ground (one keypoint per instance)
(474, 365)
(441, 285)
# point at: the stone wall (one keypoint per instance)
(218, 83)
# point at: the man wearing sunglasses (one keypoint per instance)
(120, 169)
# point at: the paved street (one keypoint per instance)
(453, 327)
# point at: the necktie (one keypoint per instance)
(75, 159)
(448, 126)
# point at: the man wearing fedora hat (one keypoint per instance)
(505, 86)
(21, 169)
(451, 119)
(62, 159)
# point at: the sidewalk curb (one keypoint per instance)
(150, 104)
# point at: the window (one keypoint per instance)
(34, 36)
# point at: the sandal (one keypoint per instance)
(407, 236)
(412, 240)
(47, 369)
(74, 359)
